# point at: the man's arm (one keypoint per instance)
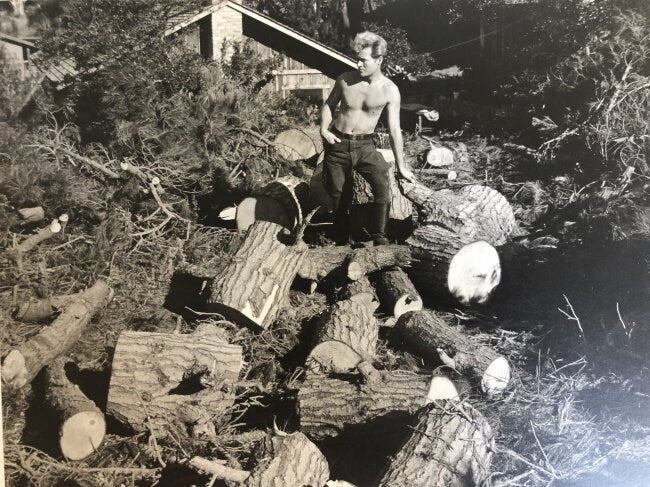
(327, 111)
(396, 140)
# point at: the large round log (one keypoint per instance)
(82, 424)
(474, 212)
(253, 288)
(161, 378)
(282, 201)
(332, 357)
(451, 444)
(397, 293)
(327, 405)
(22, 364)
(446, 262)
(430, 335)
(352, 323)
(299, 144)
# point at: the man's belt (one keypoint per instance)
(341, 135)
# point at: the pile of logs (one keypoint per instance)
(171, 382)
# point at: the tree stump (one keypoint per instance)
(327, 405)
(254, 286)
(429, 335)
(282, 201)
(474, 212)
(451, 444)
(445, 262)
(351, 323)
(82, 427)
(160, 378)
(22, 364)
(397, 293)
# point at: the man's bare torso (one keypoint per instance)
(362, 103)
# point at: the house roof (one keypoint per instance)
(181, 19)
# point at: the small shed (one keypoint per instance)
(308, 66)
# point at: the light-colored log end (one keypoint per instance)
(441, 388)
(332, 357)
(355, 271)
(407, 303)
(32, 215)
(14, 370)
(496, 376)
(474, 273)
(82, 434)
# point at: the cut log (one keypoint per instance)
(360, 291)
(282, 201)
(38, 310)
(351, 323)
(158, 378)
(440, 157)
(451, 444)
(475, 212)
(445, 262)
(401, 207)
(397, 293)
(82, 427)
(299, 144)
(431, 336)
(327, 406)
(32, 241)
(320, 262)
(290, 460)
(31, 215)
(332, 357)
(22, 364)
(253, 288)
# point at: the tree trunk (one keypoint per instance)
(360, 291)
(22, 364)
(253, 288)
(290, 460)
(351, 323)
(82, 423)
(327, 405)
(397, 293)
(475, 212)
(320, 262)
(429, 335)
(37, 310)
(451, 445)
(445, 262)
(159, 378)
(282, 201)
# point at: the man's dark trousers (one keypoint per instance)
(358, 153)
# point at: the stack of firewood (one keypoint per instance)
(164, 379)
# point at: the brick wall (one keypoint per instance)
(226, 25)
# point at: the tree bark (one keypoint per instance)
(351, 323)
(82, 427)
(475, 212)
(158, 378)
(431, 336)
(397, 293)
(22, 364)
(360, 291)
(253, 288)
(451, 445)
(332, 357)
(290, 460)
(320, 262)
(448, 263)
(282, 201)
(327, 405)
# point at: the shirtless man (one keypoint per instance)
(361, 96)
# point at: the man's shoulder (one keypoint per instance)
(349, 76)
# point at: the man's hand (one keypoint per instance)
(329, 137)
(405, 173)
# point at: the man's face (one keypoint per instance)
(367, 64)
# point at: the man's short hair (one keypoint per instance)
(369, 39)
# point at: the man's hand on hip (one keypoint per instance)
(329, 137)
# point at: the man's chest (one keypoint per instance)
(364, 98)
